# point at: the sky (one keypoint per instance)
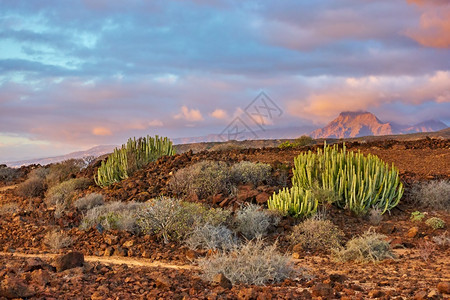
(75, 74)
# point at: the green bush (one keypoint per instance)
(435, 223)
(60, 172)
(295, 201)
(61, 195)
(304, 140)
(250, 172)
(370, 247)
(315, 234)
(203, 179)
(251, 263)
(131, 157)
(361, 182)
(417, 216)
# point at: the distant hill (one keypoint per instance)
(358, 124)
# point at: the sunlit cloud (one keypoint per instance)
(101, 131)
(219, 114)
(187, 114)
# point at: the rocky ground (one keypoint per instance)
(119, 265)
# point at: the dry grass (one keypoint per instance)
(56, 240)
(252, 221)
(316, 234)
(213, 237)
(432, 194)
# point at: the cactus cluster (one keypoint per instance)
(130, 157)
(294, 201)
(360, 182)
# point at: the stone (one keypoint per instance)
(69, 261)
(247, 294)
(191, 255)
(322, 290)
(338, 278)
(111, 239)
(262, 198)
(223, 281)
(15, 288)
(387, 228)
(119, 251)
(420, 295)
(444, 287)
(109, 251)
(412, 232)
(297, 248)
(162, 282)
(128, 244)
(376, 294)
(40, 277)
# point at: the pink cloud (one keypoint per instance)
(219, 114)
(101, 131)
(192, 115)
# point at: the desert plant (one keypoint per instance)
(369, 247)
(60, 172)
(295, 201)
(417, 216)
(375, 216)
(8, 208)
(442, 240)
(209, 236)
(61, 195)
(253, 221)
(114, 215)
(8, 174)
(204, 179)
(361, 182)
(250, 172)
(251, 263)
(435, 223)
(32, 187)
(89, 201)
(433, 194)
(426, 249)
(57, 240)
(314, 234)
(131, 157)
(286, 145)
(304, 140)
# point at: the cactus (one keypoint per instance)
(295, 201)
(130, 157)
(360, 182)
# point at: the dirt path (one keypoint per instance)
(8, 187)
(142, 262)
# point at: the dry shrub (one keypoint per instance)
(442, 240)
(89, 201)
(370, 247)
(32, 187)
(57, 240)
(375, 216)
(204, 179)
(250, 172)
(432, 194)
(315, 234)
(8, 208)
(61, 195)
(251, 263)
(253, 221)
(209, 236)
(435, 223)
(63, 171)
(8, 175)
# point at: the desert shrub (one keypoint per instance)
(361, 182)
(304, 140)
(61, 195)
(40, 172)
(432, 194)
(32, 187)
(173, 219)
(204, 178)
(369, 247)
(8, 208)
(250, 172)
(57, 240)
(114, 216)
(60, 172)
(131, 157)
(251, 263)
(209, 236)
(417, 216)
(8, 174)
(435, 223)
(314, 234)
(253, 221)
(442, 240)
(375, 216)
(89, 201)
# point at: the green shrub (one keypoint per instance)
(314, 234)
(209, 236)
(432, 194)
(286, 145)
(370, 247)
(295, 201)
(89, 201)
(252, 221)
(114, 216)
(361, 182)
(250, 172)
(304, 140)
(251, 263)
(131, 157)
(203, 179)
(435, 223)
(8, 174)
(417, 216)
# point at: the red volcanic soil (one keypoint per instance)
(119, 265)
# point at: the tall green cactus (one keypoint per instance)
(130, 157)
(360, 182)
(295, 201)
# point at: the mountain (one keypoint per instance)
(95, 152)
(357, 124)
